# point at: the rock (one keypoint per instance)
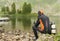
(23, 36)
(1, 40)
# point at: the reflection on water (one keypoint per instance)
(25, 23)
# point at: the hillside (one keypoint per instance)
(47, 5)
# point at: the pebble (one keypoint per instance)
(23, 36)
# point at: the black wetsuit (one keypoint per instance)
(45, 21)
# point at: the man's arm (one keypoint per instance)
(37, 23)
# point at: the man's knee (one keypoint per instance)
(33, 28)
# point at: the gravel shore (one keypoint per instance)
(19, 35)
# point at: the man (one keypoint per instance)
(42, 24)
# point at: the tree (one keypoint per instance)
(18, 11)
(3, 10)
(26, 8)
(13, 8)
(29, 8)
(13, 15)
(7, 9)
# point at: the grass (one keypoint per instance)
(57, 38)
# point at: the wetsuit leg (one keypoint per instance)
(35, 32)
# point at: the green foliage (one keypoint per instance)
(26, 8)
(29, 8)
(3, 9)
(7, 9)
(18, 11)
(57, 38)
(13, 8)
(13, 17)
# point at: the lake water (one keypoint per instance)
(26, 23)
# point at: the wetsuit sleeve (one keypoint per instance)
(37, 23)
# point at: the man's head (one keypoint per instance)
(40, 12)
